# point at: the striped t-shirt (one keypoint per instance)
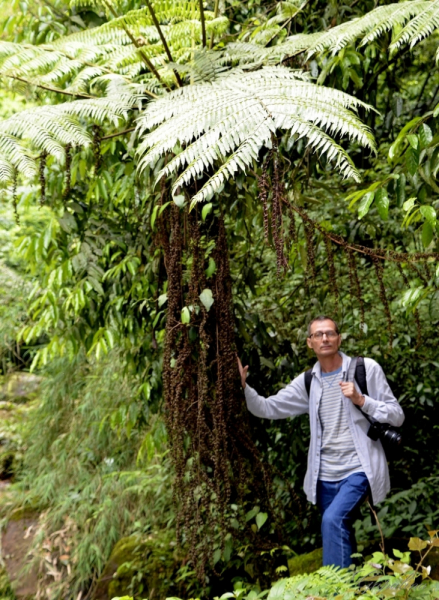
(338, 457)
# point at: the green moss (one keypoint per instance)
(305, 563)
(140, 566)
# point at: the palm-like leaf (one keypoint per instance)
(223, 125)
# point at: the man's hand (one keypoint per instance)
(242, 372)
(350, 391)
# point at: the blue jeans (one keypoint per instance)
(338, 502)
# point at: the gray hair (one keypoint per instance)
(322, 318)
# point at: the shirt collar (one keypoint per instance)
(317, 369)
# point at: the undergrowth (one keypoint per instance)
(95, 469)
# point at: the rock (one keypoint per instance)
(16, 542)
(20, 387)
(152, 560)
(305, 563)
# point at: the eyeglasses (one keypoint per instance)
(318, 335)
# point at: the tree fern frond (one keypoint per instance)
(420, 26)
(13, 155)
(230, 120)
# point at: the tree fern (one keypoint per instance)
(224, 125)
(51, 128)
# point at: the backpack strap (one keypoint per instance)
(360, 377)
(308, 379)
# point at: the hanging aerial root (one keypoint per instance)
(14, 197)
(379, 269)
(42, 177)
(68, 175)
(97, 138)
(278, 198)
(332, 273)
(263, 197)
(310, 251)
(380, 253)
(215, 460)
(355, 287)
(416, 311)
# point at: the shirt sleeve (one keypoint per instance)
(290, 401)
(380, 404)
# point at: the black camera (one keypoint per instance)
(386, 433)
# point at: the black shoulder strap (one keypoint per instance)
(360, 376)
(308, 379)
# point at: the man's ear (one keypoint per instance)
(308, 341)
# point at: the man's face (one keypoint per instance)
(324, 340)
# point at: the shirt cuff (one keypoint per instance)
(369, 405)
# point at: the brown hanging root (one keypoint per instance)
(278, 198)
(97, 146)
(389, 255)
(263, 197)
(292, 230)
(14, 197)
(310, 251)
(355, 287)
(68, 175)
(379, 269)
(415, 312)
(215, 459)
(43, 159)
(331, 272)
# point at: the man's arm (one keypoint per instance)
(381, 404)
(291, 401)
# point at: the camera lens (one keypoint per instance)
(392, 437)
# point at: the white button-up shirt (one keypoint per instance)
(381, 405)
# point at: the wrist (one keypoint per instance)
(361, 401)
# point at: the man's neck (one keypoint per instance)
(330, 363)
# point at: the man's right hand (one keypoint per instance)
(242, 372)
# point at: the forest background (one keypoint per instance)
(183, 182)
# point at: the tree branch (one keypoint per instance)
(163, 39)
(117, 134)
(142, 55)
(215, 15)
(51, 89)
(203, 23)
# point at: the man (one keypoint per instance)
(344, 464)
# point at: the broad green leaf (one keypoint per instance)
(412, 160)
(211, 268)
(162, 299)
(206, 298)
(179, 200)
(425, 135)
(409, 204)
(206, 210)
(365, 204)
(185, 315)
(413, 140)
(382, 203)
(154, 215)
(260, 519)
(416, 543)
(251, 513)
(427, 234)
(397, 144)
(400, 190)
(428, 213)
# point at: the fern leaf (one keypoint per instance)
(420, 26)
(230, 120)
